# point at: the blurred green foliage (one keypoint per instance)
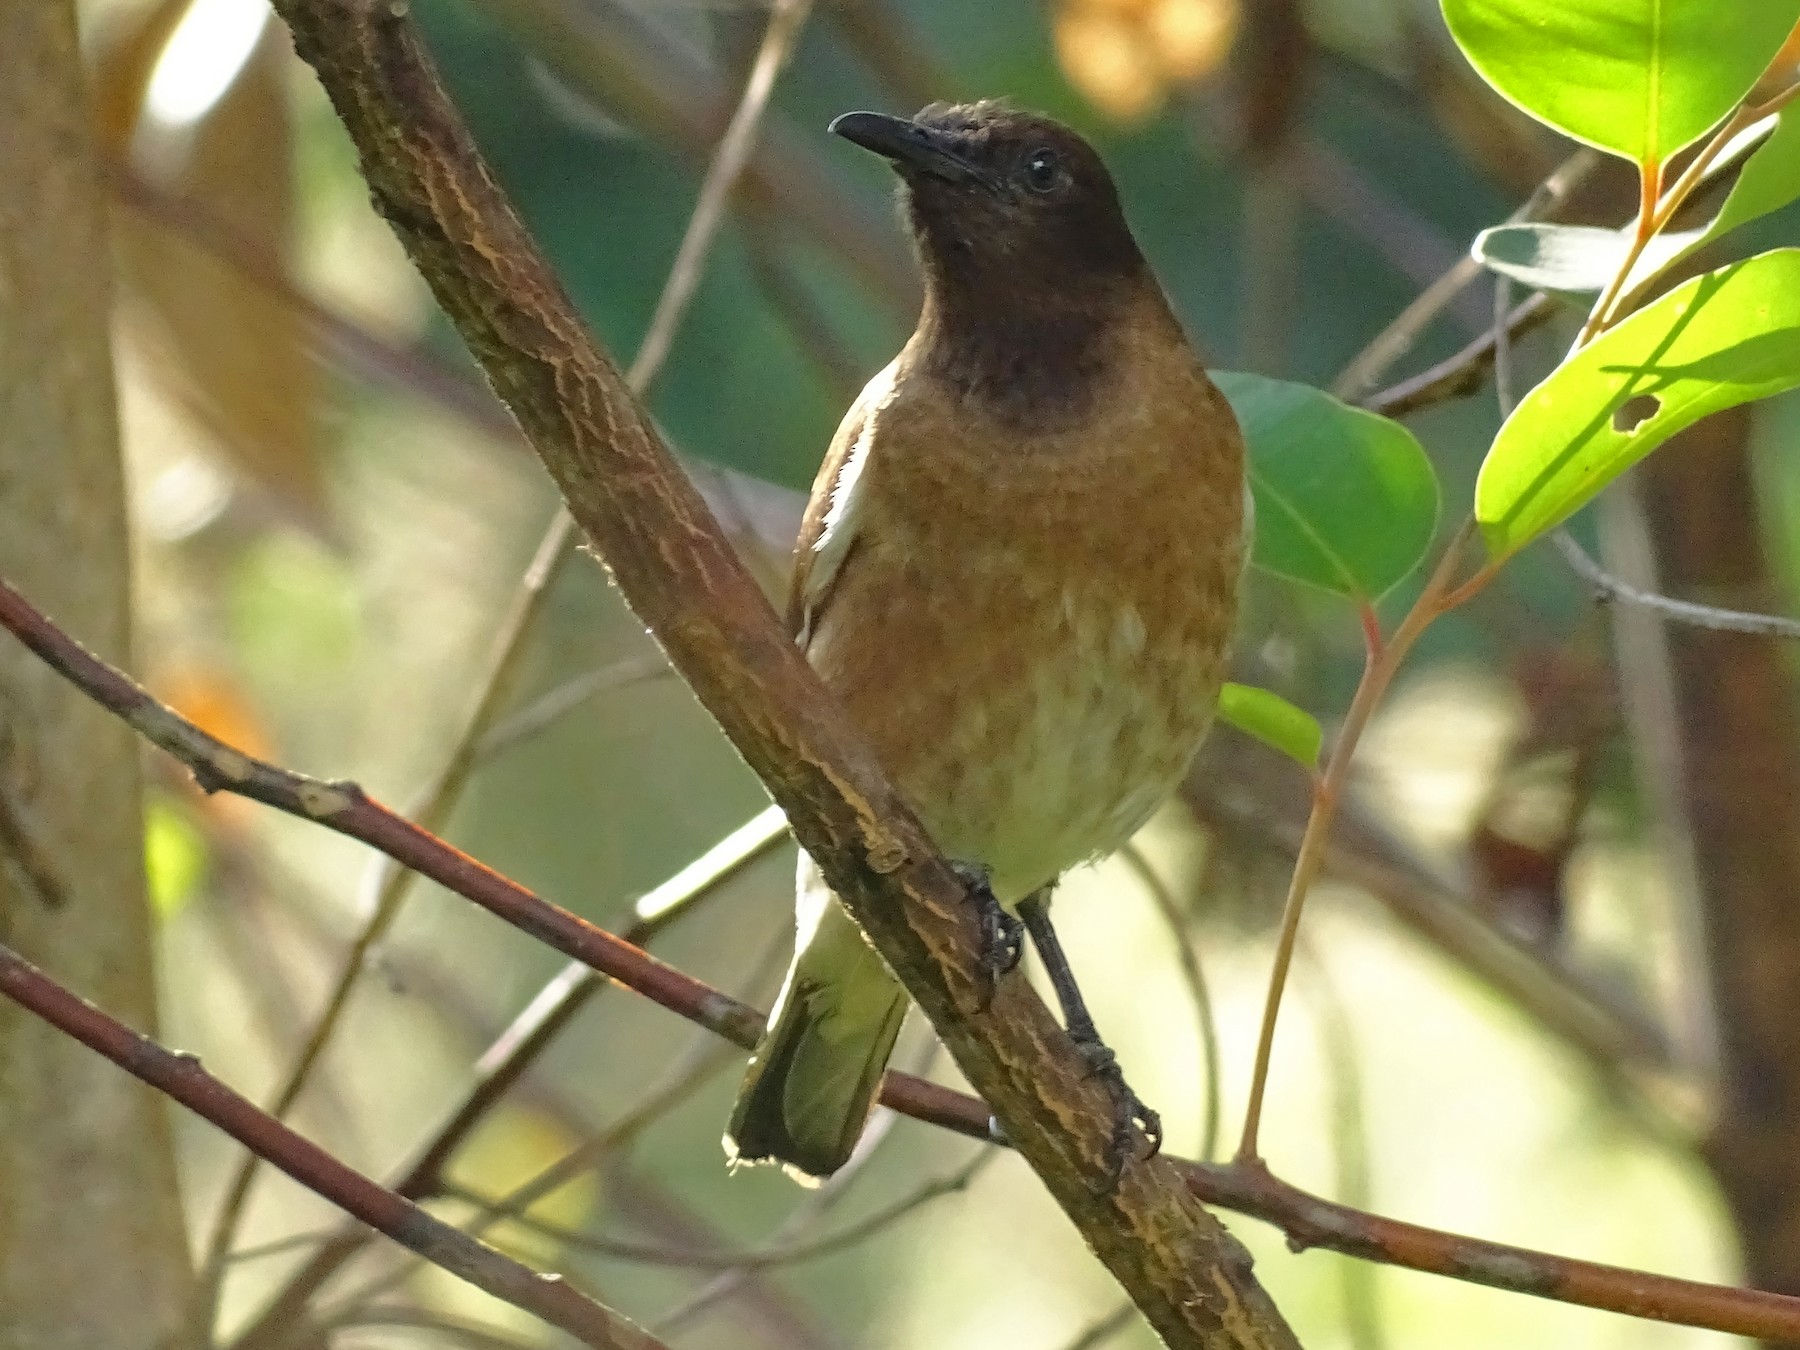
(362, 652)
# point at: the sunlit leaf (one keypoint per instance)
(1722, 339)
(1639, 78)
(1770, 180)
(1272, 720)
(1345, 500)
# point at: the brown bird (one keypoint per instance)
(1018, 570)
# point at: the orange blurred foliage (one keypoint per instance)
(1125, 55)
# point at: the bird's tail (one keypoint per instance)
(813, 1079)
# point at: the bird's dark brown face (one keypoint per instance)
(994, 190)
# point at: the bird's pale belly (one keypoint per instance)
(1035, 754)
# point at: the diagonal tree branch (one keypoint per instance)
(182, 1078)
(475, 738)
(666, 553)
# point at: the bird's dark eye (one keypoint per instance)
(1043, 170)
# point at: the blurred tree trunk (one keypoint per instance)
(93, 1250)
(1740, 746)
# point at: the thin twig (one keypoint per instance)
(1460, 375)
(283, 1245)
(696, 1067)
(1206, 1026)
(687, 1076)
(183, 1080)
(1258, 797)
(558, 702)
(733, 153)
(1608, 587)
(516, 1050)
(1101, 1331)
(346, 809)
(813, 1208)
(771, 1254)
(1657, 208)
(1378, 672)
(1394, 341)
(1310, 1220)
(390, 885)
(1644, 229)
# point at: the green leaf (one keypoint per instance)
(1579, 260)
(1345, 500)
(1722, 339)
(1770, 180)
(1272, 720)
(1638, 78)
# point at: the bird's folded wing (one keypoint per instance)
(828, 530)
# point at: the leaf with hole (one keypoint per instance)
(1345, 500)
(1725, 338)
(1272, 720)
(1637, 78)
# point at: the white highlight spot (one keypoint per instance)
(202, 58)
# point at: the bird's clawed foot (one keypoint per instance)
(1129, 1111)
(1002, 936)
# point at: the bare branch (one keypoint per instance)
(182, 1078)
(775, 1253)
(687, 585)
(1460, 375)
(1205, 1024)
(344, 808)
(1397, 338)
(1608, 587)
(1257, 796)
(1310, 1221)
(497, 687)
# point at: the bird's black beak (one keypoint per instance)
(909, 146)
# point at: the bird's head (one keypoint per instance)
(998, 196)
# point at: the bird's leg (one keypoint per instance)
(1002, 936)
(1128, 1108)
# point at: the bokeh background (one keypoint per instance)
(1504, 1020)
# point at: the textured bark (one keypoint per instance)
(1740, 750)
(1190, 1278)
(92, 1246)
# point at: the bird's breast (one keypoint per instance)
(1035, 649)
